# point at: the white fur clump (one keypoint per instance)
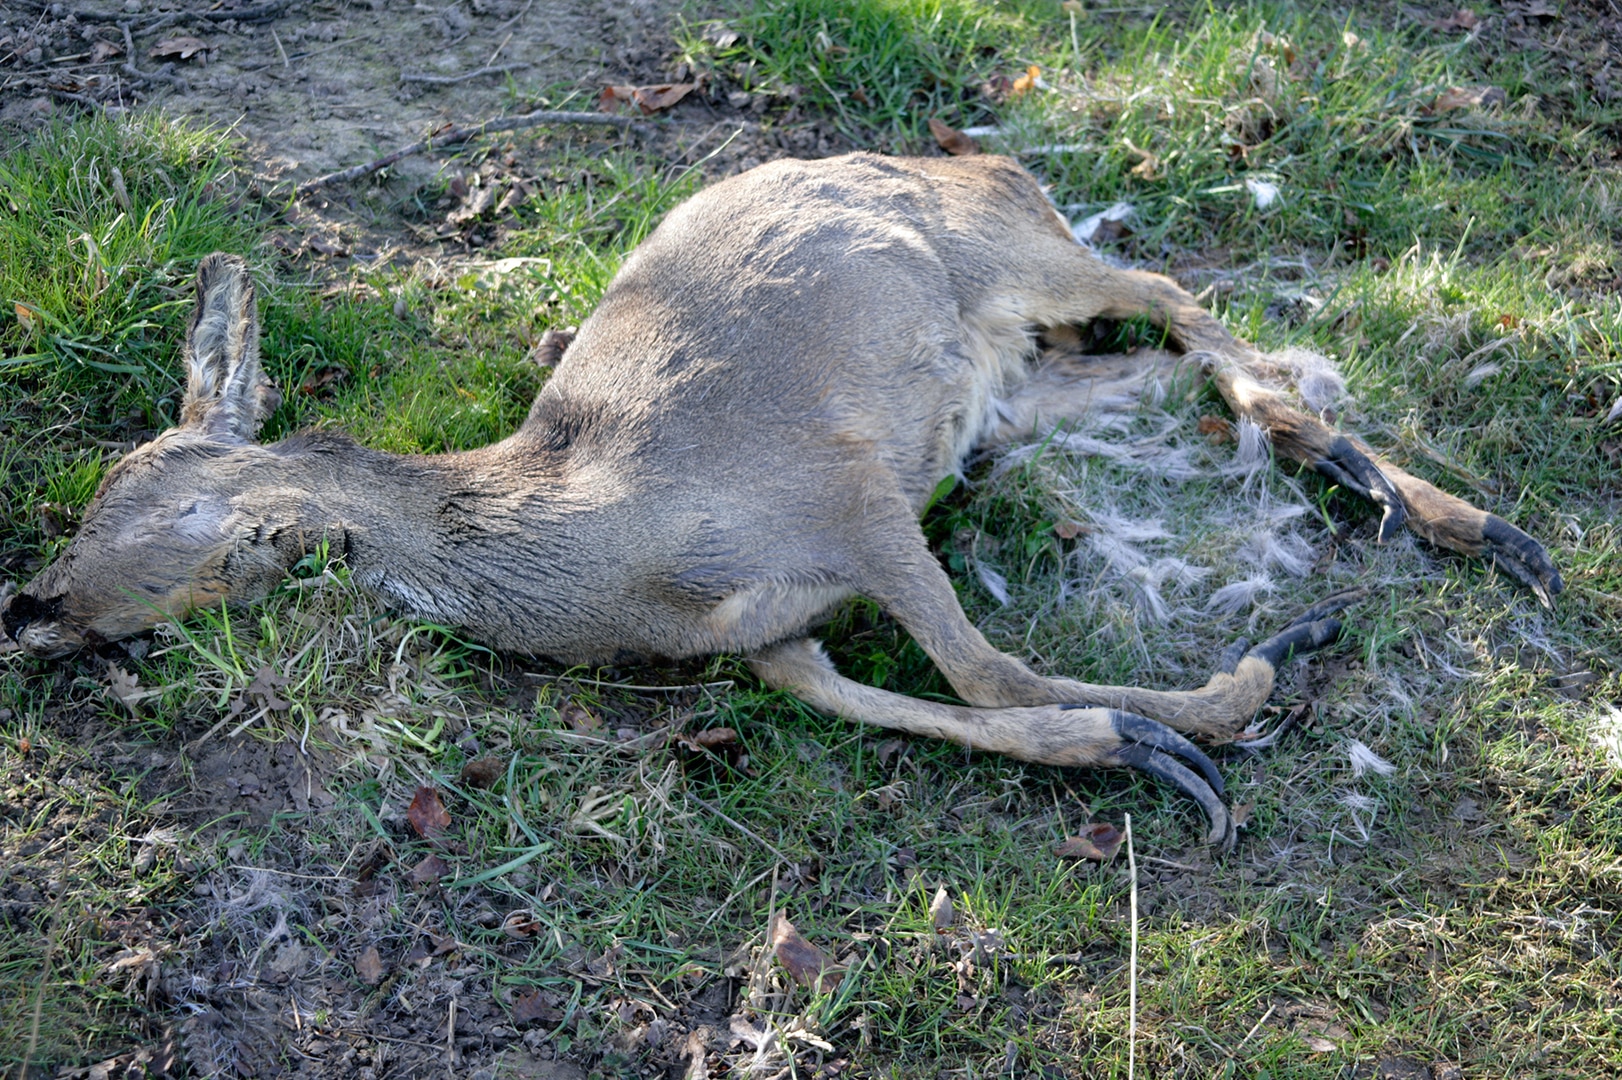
(1118, 538)
(1272, 546)
(1154, 453)
(1359, 805)
(1316, 378)
(1238, 596)
(1150, 582)
(1120, 541)
(995, 583)
(1365, 760)
(1255, 451)
(1606, 735)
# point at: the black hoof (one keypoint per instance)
(1522, 558)
(1154, 748)
(1349, 467)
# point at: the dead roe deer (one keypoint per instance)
(740, 439)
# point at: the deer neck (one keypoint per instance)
(438, 535)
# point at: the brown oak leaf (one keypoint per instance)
(427, 813)
(951, 139)
(1098, 841)
(181, 48)
(806, 964)
(369, 966)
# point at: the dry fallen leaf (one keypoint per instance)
(103, 51)
(1463, 19)
(1282, 44)
(578, 717)
(1469, 97)
(264, 686)
(429, 871)
(721, 36)
(369, 966)
(1026, 82)
(482, 772)
(951, 139)
(181, 48)
(1069, 530)
(804, 962)
(1148, 167)
(520, 925)
(650, 99)
(25, 314)
(941, 912)
(322, 378)
(127, 688)
(332, 248)
(533, 1006)
(1098, 842)
(1217, 429)
(427, 813)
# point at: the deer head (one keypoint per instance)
(170, 529)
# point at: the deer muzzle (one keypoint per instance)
(37, 625)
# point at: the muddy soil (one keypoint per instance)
(317, 86)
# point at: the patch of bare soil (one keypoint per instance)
(315, 86)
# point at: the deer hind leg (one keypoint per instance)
(1239, 371)
(1442, 519)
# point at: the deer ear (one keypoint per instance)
(226, 390)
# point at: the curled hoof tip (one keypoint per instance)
(1156, 749)
(1522, 558)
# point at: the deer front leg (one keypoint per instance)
(1440, 518)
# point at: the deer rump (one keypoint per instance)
(740, 438)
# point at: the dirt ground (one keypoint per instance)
(314, 86)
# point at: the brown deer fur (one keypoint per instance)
(738, 440)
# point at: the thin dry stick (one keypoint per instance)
(451, 80)
(460, 135)
(497, 53)
(163, 74)
(1132, 968)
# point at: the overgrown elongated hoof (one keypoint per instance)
(1349, 467)
(1154, 748)
(1522, 558)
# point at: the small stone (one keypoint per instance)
(133, 7)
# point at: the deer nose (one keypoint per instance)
(23, 612)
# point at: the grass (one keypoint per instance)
(1460, 909)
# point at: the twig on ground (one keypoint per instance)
(257, 14)
(641, 688)
(82, 99)
(1132, 962)
(163, 74)
(451, 80)
(500, 47)
(249, 68)
(750, 833)
(460, 135)
(512, 22)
